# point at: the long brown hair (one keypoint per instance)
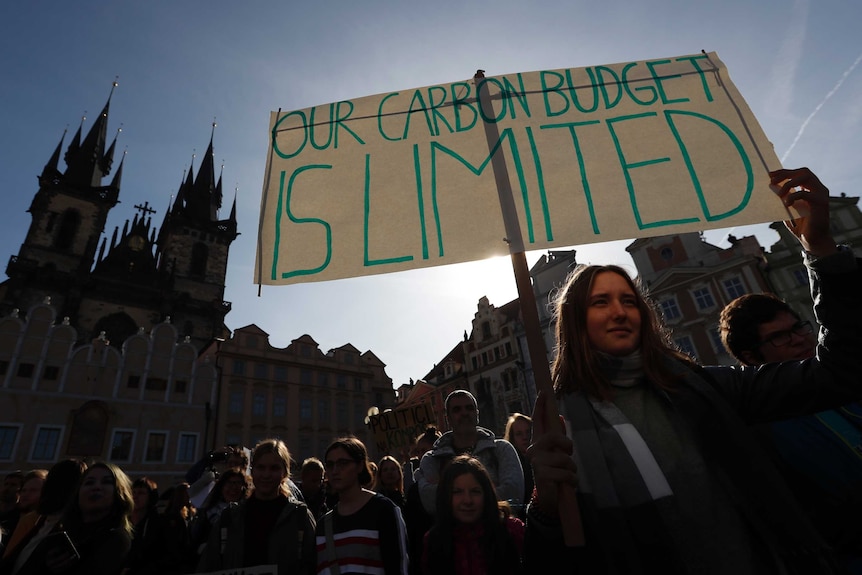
(576, 366)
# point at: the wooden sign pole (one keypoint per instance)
(573, 532)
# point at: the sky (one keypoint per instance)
(182, 65)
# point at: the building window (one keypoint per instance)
(25, 369)
(341, 381)
(323, 379)
(378, 398)
(122, 443)
(359, 415)
(305, 350)
(279, 406)
(800, 276)
(357, 384)
(238, 367)
(233, 439)
(46, 443)
(508, 348)
(235, 403)
(280, 373)
(715, 339)
(258, 406)
(670, 310)
(251, 341)
(486, 330)
(341, 412)
(187, 448)
(52, 372)
(305, 414)
(703, 298)
(686, 345)
(323, 411)
(133, 382)
(8, 440)
(261, 370)
(155, 451)
(306, 377)
(156, 384)
(200, 254)
(475, 362)
(666, 254)
(348, 358)
(734, 288)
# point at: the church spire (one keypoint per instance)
(204, 188)
(88, 165)
(118, 176)
(52, 167)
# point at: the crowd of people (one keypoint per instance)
(676, 468)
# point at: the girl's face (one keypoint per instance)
(141, 497)
(520, 435)
(232, 489)
(467, 499)
(267, 474)
(97, 493)
(613, 316)
(28, 497)
(342, 471)
(389, 474)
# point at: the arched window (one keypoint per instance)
(200, 252)
(118, 327)
(70, 221)
(89, 425)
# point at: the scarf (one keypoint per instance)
(619, 478)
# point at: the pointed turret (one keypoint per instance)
(200, 200)
(118, 175)
(51, 169)
(87, 167)
(75, 144)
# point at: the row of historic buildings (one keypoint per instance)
(118, 349)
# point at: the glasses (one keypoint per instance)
(338, 464)
(782, 338)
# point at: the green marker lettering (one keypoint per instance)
(296, 220)
(435, 112)
(366, 260)
(582, 168)
(703, 82)
(276, 148)
(631, 94)
(548, 90)
(603, 84)
(380, 115)
(460, 101)
(573, 91)
(503, 101)
(746, 162)
(518, 94)
(313, 128)
(659, 79)
(339, 121)
(627, 168)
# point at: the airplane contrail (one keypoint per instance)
(834, 89)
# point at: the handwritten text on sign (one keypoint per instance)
(405, 179)
(396, 429)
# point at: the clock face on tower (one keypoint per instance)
(136, 243)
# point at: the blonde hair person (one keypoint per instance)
(270, 527)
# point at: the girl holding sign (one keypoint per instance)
(669, 477)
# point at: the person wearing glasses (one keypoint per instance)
(819, 455)
(467, 437)
(668, 474)
(364, 532)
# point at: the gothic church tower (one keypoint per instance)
(142, 277)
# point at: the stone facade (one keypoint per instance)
(299, 393)
(142, 405)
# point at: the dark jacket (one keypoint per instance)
(718, 404)
(290, 544)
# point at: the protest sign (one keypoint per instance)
(403, 180)
(394, 429)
